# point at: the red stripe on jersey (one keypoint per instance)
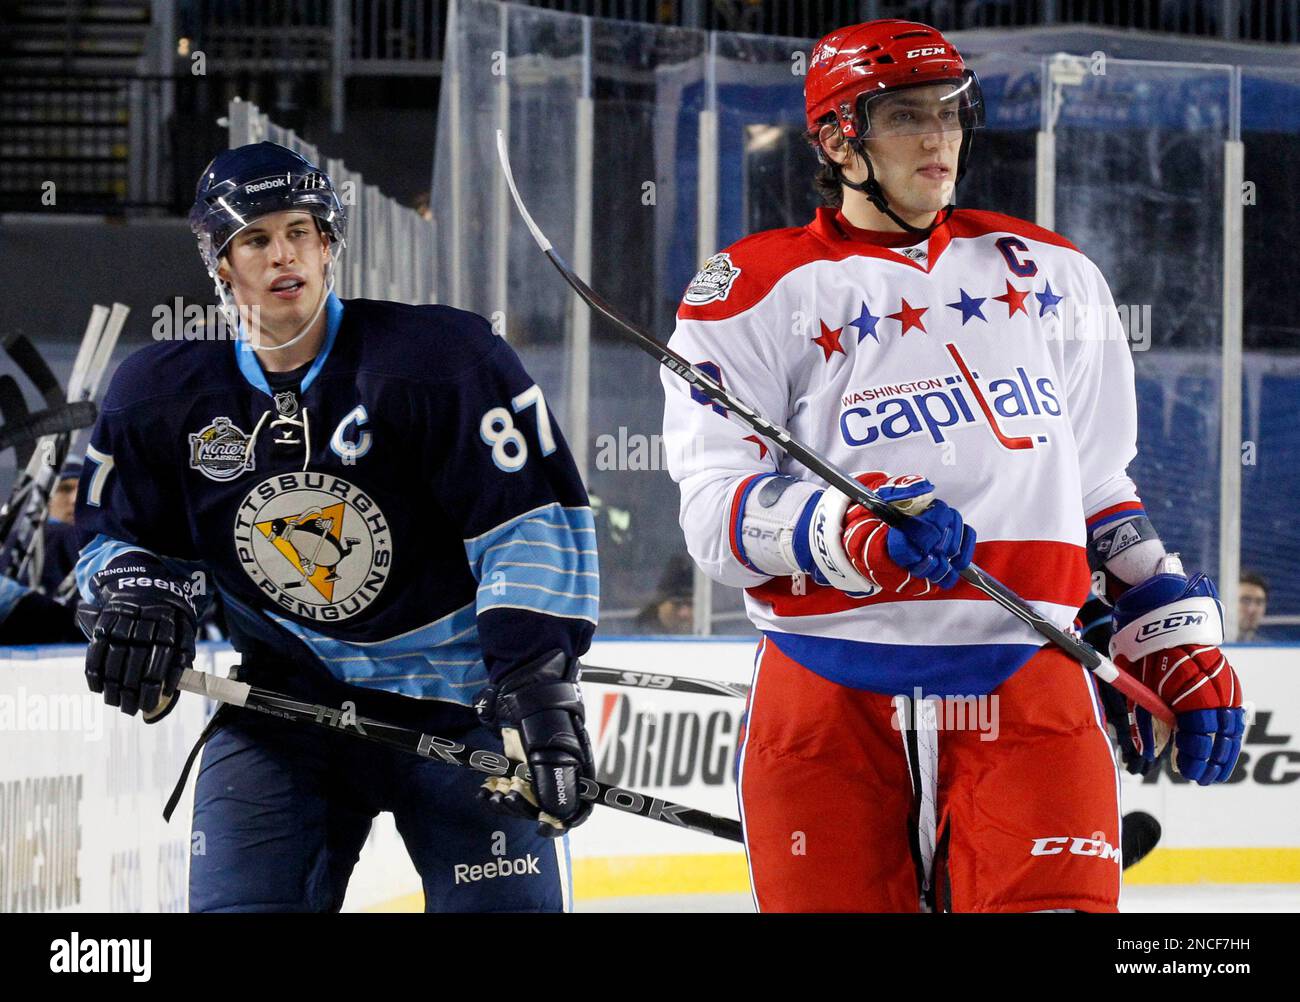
(765, 258)
(1038, 570)
(733, 532)
(967, 223)
(1114, 509)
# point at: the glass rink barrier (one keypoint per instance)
(642, 150)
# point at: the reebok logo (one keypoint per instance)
(275, 182)
(102, 956)
(466, 874)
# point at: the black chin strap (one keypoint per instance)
(876, 195)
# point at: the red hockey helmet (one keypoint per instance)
(852, 71)
(878, 56)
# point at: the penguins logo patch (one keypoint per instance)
(316, 545)
(220, 451)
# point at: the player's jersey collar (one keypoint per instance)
(831, 226)
(246, 358)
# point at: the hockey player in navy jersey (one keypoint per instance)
(391, 517)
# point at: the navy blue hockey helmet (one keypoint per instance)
(242, 184)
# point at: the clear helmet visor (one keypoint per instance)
(948, 106)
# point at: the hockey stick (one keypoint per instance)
(21, 518)
(431, 746)
(62, 420)
(13, 411)
(35, 368)
(1086, 655)
(662, 683)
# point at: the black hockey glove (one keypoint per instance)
(141, 635)
(539, 711)
(1096, 628)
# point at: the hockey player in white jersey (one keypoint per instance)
(952, 354)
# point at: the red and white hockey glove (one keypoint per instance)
(856, 552)
(1167, 634)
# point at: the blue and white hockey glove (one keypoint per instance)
(539, 711)
(1167, 635)
(855, 551)
(141, 635)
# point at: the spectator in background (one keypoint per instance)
(30, 616)
(672, 609)
(1252, 606)
(61, 543)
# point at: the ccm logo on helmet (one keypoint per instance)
(929, 50)
(275, 182)
(1077, 846)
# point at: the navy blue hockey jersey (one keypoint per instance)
(410, 512)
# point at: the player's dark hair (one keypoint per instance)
(826, 181)
(1258, 580)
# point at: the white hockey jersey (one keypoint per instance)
(988, 357)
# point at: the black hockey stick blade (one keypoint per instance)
(27, 358)
(61, 420)
(1084, 653)
(445, 750)
(13, 410)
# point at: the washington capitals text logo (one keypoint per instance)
(935, 403)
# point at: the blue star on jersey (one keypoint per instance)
(1047, 300)
(969, 306)
(866, 324)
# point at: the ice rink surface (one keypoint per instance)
(1137, 899)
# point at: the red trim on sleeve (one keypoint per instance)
(1115, 509)
(733, 521)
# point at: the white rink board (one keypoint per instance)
(1262, 809)
(82, 788)
(681, 749)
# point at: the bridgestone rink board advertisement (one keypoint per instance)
(82, 789)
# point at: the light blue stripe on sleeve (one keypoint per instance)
(542, 561)
(440, 660)
(103, 550)
(11, 592)
(95, 556)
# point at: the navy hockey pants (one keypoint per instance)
(285, 808)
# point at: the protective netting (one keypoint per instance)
(1139, 187)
